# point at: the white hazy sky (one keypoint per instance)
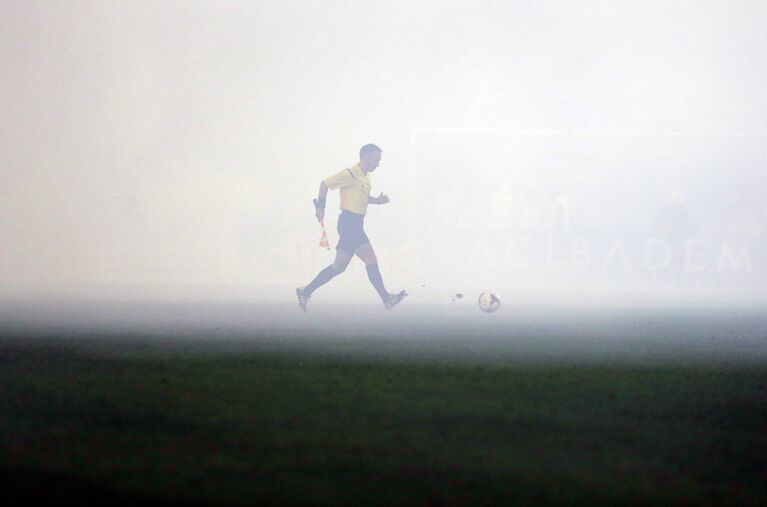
(174, 147)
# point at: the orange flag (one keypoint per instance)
(324, 238)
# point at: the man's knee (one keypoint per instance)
(369, 258)
(367, 255)
(340, 263)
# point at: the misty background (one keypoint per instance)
(171, 150)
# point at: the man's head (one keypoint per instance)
(370, 156)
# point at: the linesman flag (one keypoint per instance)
(324, 237)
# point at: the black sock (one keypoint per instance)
(321, 279)
(374, 275)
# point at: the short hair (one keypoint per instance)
(368, 148)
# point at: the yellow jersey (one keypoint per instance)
(355, 187)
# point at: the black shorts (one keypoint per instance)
(350, 232)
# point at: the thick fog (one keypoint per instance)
(605, 150)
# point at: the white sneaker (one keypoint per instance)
(394, 299)
(303, 298)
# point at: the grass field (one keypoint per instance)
(559, 409)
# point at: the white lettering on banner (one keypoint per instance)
(729, 261)
(617, 251)
(581, 255)
(658, 255)
(515, 256)
(560, 213)
(694, 261)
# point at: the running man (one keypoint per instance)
(355, 185)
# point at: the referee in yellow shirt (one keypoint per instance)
(355, 186)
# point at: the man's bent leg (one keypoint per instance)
(323, 277)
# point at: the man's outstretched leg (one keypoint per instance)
(389, 300)
(368, 256)
(323, 277)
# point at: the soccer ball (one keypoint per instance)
(489, 301)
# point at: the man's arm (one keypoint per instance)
(319, 203)
(381, 199)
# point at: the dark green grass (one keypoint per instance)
(138, 424)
